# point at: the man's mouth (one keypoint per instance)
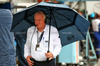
(37, 25)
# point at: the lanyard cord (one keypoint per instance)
(33, 34)
(38, 41)
(39, 38)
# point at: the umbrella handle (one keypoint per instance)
(48, 58)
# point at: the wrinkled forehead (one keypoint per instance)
(40, 14)
(37, 16)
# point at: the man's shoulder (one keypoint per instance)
(54, 28)
(51, 27)
(31, 28)
(95, 20)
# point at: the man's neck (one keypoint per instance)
(41, 29)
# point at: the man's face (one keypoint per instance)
(39, 21)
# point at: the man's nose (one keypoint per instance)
(37, 22)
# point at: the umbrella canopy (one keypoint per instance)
(71, 26)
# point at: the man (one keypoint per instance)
(36, 46)
(96, 36)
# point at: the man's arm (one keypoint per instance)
(27, 46)
(56, 43)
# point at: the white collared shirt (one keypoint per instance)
(39, 55)
(95, 24)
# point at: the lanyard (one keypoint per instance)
(39, 38)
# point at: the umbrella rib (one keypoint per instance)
(75, 17)
(27, 19)
(64, 9)
(66, 17)
(54, 20)
(14, 26)
(68, 24)
(60, 28)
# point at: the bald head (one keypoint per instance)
(40, 13)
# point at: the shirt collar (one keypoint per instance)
(43, 30)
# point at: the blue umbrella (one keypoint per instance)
(71, 26)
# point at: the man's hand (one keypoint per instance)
(49, 55)
(29, 61)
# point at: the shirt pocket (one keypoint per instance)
(46, 41)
